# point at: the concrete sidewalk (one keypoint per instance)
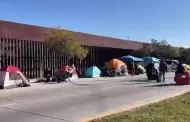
(83, 100)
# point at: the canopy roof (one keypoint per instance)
(130, 58)
(151, 59)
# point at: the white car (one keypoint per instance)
(171, 64)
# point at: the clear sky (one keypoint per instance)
(139, 19)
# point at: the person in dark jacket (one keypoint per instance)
(48, 74)
(162, 70)
(180, 68)
(149, 70)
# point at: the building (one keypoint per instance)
(23, 46)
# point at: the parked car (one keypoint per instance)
(171, 64)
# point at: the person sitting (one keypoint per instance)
(152, 71)
(180, 68)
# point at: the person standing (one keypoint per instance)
(162, 71)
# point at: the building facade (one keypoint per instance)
(23, 46)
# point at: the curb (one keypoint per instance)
(135, 105)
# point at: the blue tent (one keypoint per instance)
(151, 59)
(93, 72)
(130, 58)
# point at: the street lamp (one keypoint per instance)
(128, 37)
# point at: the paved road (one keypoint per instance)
(77, 101)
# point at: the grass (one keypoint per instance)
(172, 110)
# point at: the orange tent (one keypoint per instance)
(114, 64)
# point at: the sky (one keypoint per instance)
(141, 20)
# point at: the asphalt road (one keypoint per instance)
(77, 101)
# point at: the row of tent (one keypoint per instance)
(116, 63)
(12, 76)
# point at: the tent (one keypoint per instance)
(114, 67)
(114, 64)
(93, 72)
(142, 68)
(186, 67)
(66, 73)
(11, 77)
(130, 58)
(151, 59)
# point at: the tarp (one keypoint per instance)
(151, 59)
(130, 58)
(93, 72)
(114, 64)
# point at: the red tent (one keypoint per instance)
(66, 68)
(10, 69)
(63, 71)
(11, 76)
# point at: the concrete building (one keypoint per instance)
(23, 46)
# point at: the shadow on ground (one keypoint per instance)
(163, 85)
(136, 83)
(82, 84)
(141, 81)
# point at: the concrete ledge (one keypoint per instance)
(136, 105)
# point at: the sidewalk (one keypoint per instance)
(84, 100)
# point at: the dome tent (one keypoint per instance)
(66, 73)
(11, 77)
(93, 72)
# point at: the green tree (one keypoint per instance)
(171, 52)
(164, 49)
(143, 52)
(64, 42)
(185, 54)
(159, 49)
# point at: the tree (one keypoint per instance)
(143, 52)
(171, 52)
(159, 49)
(164, 49)
(185, 54)
(64, 42)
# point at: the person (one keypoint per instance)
(48, 74)
(162, 70)
(149, 70)
(131, 67)
(180, 68)
(124, 70)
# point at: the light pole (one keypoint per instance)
(128, 37)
